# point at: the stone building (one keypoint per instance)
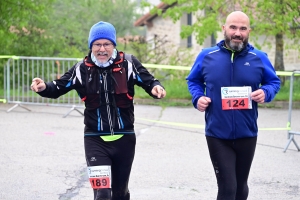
(157, 26)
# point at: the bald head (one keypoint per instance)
(236, 30)
(238, 17)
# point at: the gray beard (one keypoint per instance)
(233, 45)
(236, 47)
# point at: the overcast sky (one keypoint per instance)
(155, 2)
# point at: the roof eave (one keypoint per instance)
(147, 18)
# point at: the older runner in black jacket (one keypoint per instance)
(105, 81)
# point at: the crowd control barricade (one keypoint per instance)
(4, 57)
(19, 72)
(291, 133)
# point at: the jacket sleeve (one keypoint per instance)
(67, 82)
(270, 83)
(195, 80)
(143, 78)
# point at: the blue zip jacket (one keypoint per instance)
(218, 67)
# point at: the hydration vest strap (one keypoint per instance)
(122, 58)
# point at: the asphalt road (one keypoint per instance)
(42, 156)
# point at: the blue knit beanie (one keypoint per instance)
(102, 30)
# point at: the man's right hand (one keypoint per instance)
(203, 103)
(37, 85)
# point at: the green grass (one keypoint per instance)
(284, 93)
(177, 89)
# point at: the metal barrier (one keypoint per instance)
(4, 57)
(19, 72)
(291, 134)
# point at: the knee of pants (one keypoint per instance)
(118, 197)
(226, 192)
(101, 194)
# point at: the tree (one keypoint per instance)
(277, 18)
(22, 26)
(72, 21)
(58, 28)
(22, 29)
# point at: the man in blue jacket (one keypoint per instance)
(227, 81)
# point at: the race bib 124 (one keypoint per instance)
(236, 98)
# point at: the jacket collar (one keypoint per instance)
(88, 60)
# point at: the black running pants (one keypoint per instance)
(119, 154)
(232, 160)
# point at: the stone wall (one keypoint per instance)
(164, 28)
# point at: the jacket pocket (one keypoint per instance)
(123, 100)
(120, 80)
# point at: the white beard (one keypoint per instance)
(107, 63)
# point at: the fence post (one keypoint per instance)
(291, 134)
(4, 57)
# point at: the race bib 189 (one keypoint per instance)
(236, 98)
(100, 176)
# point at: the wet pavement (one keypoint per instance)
(42, 156)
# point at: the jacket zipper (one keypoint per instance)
(231, 81)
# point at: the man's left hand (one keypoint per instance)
(258, 96)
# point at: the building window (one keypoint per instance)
(213, 40)
(189, 22)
